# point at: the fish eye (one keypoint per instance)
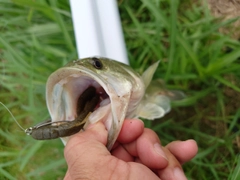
(97, 63)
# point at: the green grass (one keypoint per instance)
(36, 38)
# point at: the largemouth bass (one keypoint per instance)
(118, 93)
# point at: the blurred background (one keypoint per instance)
(197, 43)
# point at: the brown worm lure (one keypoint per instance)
(87, 102)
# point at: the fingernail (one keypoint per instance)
(159, 150)
(90, 126)
(178, 173)
(94, 125)
(99, 126)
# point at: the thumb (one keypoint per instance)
(86, 145)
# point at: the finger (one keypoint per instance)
(121, 153)
(173, 171)
(139, 171)
(131, 130)
(97, 133)
(86, 147)
(148, 149)
(183, 150)
(67, 176)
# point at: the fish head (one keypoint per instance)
(120, 89)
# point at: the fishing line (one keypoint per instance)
(12, 116)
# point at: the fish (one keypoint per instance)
(122, 94)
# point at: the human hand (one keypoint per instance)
(137, 154)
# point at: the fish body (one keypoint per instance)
(120, 88)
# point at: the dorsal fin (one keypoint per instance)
(148, 74)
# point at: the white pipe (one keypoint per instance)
(98, 29)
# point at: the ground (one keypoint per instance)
(227, 9)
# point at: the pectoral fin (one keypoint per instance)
(151, 111)
(154, 107)
(162, 101)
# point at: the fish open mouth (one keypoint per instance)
(92, 98)
(77, 93)
(74, 95)
(81, 94)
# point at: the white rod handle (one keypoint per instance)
(98, 29)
